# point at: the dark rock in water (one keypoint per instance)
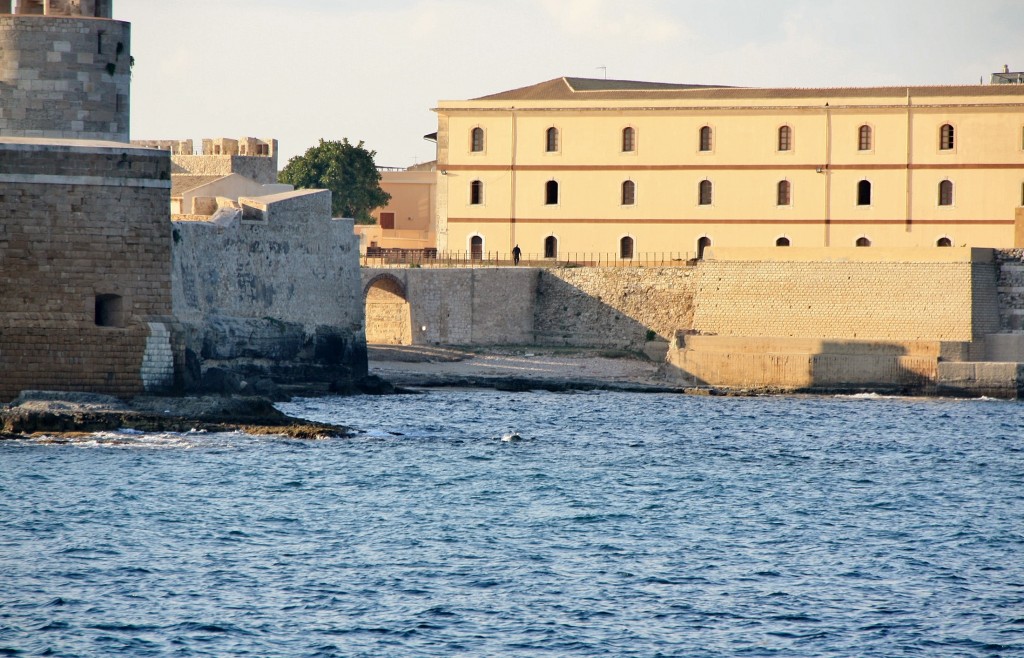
(368, 385)
(39, 412)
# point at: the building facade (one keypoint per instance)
(629, 168)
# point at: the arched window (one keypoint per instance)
(477, 140)
(864, 193)
(704, 193)
(476, 193)
(551, 140)
(943, 242)
(785, 138)
(551, 247)
(946, 193)
(946, 137)
(626, 247)
(702, 244)
(628, 140)
(705, 138)
(551, 192)
(476, 247)
(628, 193)
(863, 242)
(864, 143)
(782, 242)
(782, 193)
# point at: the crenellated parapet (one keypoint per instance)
(89, 8)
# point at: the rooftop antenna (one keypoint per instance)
(605, 69)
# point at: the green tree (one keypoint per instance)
(347, 171)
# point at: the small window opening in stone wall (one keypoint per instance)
(946, 193)
(109, 311)
(946, 137)
(863, 242)
(782, 242)
(628, 193)
(476, 248)
(551, 193)
(704, 190)
(943, 242)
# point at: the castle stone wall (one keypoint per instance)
(82, 222)
(270, 290)
(261, 169)
(946, 295)
(64, 77)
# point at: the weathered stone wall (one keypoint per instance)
(464, 306)
(612, 307)
(1010, 269)
(944, 300)
(64, 77)
(81, 222)
(261, 169)
(270, 291)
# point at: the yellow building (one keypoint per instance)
(581, 166)
(407, 221)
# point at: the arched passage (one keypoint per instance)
(388, 318)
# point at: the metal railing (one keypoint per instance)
(379, 257)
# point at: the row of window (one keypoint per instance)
(705, 193)
(784, 141)
(627, 245)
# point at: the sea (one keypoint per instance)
(618, 525)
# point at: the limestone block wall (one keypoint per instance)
(612, 307)
(272, 290)
(64, 77)
(261, 169)
(463, 306)
(85, 229)
(1010, 285)
(950, 297)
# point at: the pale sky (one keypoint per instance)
(299, 70)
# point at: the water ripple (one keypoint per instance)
(623, 526)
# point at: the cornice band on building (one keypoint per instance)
(96, 181)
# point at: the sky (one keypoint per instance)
(302, 70)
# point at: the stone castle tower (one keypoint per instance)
(65, 70)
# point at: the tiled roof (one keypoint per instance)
(561, 89)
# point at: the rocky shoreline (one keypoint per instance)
(36, 413)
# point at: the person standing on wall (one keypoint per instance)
(516, 253)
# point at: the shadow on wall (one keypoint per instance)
(565, 315)
(804, 365)
(388, 313)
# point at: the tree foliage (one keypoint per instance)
(347, 171)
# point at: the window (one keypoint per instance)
(864, 193)
(626, 247)
(704, 193)
(943, 242)
(628, 193)
(946, 140)
(702, 244)
(551, 247)
(109, 311)
(628, 140)
(863, 242)
(705, 138)
(477, 140)
(551, 193)
(476, 193)
(476, 248)
(946, 193)
(551, 140)
(782, 193)
(785, 138)
(387, 220)
(782, 242)
(864, 143)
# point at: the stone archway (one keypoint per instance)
(388, 317)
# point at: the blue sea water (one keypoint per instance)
(623, 525)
